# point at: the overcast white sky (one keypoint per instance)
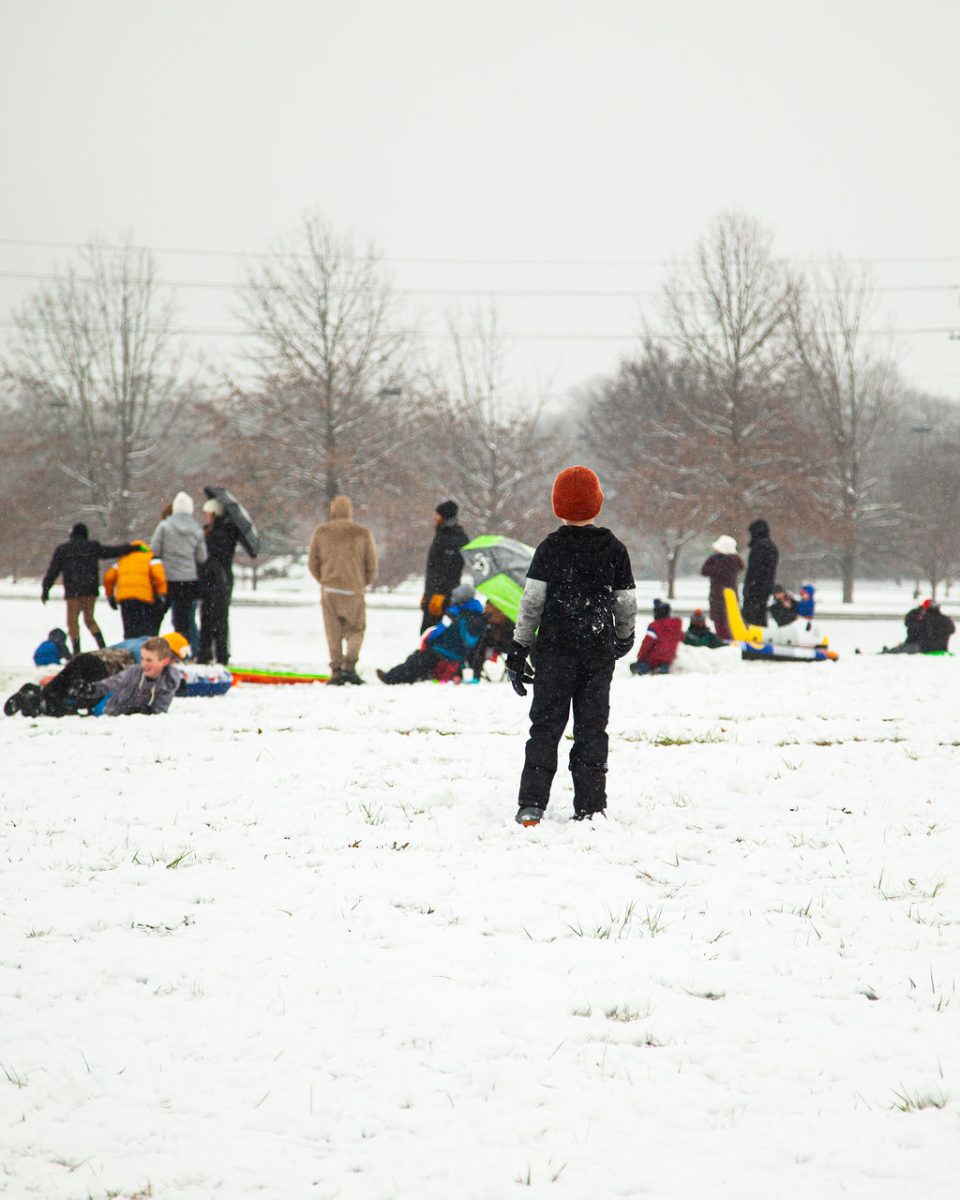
(494, 148)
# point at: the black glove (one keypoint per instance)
(518, 669)
(622, 646)
(112, 601)
(85, 694)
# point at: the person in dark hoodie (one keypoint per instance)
(580, 594)
(659, 646)
(722, 568)
(77, 560)
(444, 564)
(761, 573)
(216, 588)
(785, 607)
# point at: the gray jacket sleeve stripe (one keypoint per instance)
(531, 610)
(624, 611)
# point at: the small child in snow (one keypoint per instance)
(51, 651)
(580, 593)
(659, 646)
(446, 647)
(806, 605)
(147, 687)
(699, 632)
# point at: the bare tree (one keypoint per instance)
(488, 449)
(328, 413)
(728, 314)
(93, 361)
(637, 428)
(848, 387)
(927, 486)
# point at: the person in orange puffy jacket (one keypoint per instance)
(137, 584)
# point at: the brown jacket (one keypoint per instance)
(342, 556)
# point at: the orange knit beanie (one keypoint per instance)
(577, 495)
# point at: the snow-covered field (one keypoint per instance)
(289, 943)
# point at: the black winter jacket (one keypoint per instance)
(78, 560)
(586, 571)
(935, 630)
(761, 567)
(444, 560)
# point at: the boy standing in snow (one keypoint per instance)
(580, 593)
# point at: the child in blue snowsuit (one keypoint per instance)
(452, 641)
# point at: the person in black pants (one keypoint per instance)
(761, 573)
(580, 593)
(444, 564)
(217, 585)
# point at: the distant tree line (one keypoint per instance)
(764, 393)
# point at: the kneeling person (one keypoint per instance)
(449, 645)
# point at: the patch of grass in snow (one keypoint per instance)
(35, 933)
(624, 1013)
(176, 862)
(371, 815)
(619, 924)
(906, 1101)
(709, 738)
(14, 1076)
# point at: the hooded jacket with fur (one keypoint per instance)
(179, 543)
(342, 556)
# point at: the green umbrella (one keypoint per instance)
(499, 569)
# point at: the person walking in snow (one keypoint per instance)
(216, 584)
(659, 646)
(343, 559)
(722, 569)
(179, 544)
(761, 573)
(78, 561)
(444, 563)
(580, 594)
(448, 646)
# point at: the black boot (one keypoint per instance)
(98, 638)
(75, 642)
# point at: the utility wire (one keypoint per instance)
(531, 293)
(444, 261)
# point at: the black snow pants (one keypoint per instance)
(419, 665)
(139, 618)
(561, 680)
(59, 693)
(215, 615)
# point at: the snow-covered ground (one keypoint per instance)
(289, 943)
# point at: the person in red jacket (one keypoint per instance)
(659, 646)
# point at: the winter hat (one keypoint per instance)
(448, 510)
(725, 544)
(177, 643)
(926, 604)
(777, 588)
(79, 530)
(577, 495)
(696, 617)
(462, 593)
(661, 609)
(182, 503)
(341, 508)
(215, 507)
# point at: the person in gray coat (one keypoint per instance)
(179, 544)
(147, 687)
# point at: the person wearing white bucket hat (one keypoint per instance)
(722, 569)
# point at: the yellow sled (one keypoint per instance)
(754, 643)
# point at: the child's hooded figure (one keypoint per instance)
(460, 628)
(148, 687)
(664, 634)
(806, 605)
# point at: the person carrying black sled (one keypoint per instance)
(580, 593)
(77, 560)
(444, 564)
(761, 573)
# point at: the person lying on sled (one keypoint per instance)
(448, 646)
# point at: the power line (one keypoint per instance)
(571, 336)
(528, 293)
(453, 261)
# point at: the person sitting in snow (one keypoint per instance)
(448, 646)
(53, 650)
(495, 641)
(917, 639)
(806, 605)
(699, 632)
(783, 609)
(659, 646)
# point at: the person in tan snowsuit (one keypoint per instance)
(343, 560)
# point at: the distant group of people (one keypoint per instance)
(928, 631)
(184, 566)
